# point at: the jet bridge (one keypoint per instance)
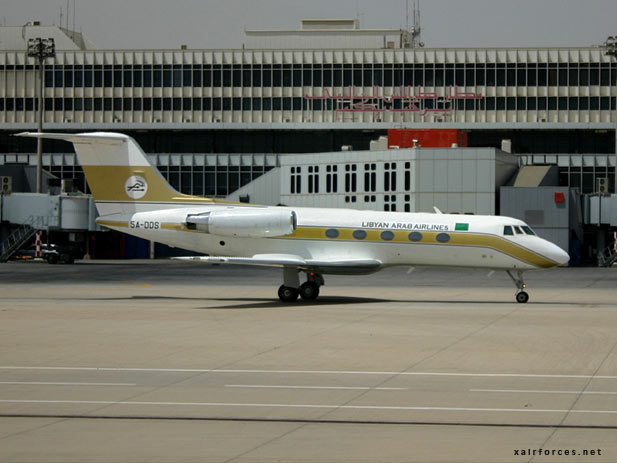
(23, 214)
(601, 214)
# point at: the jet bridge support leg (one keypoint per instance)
(521, 295)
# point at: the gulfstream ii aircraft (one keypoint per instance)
(133, 197)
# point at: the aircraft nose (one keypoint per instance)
(555, 253)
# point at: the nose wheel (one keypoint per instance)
(521, 295)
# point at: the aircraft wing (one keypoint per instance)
(341, 266)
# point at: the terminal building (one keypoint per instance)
(215, 121)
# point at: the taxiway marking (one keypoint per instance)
(312, 372)
(41, 383)
(350, 388)
(531, 391)
(321, 406)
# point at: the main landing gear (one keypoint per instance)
(291, 288)
(521, 296)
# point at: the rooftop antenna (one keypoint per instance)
(416, 29)
(406, 15)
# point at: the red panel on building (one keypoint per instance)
(428, 138)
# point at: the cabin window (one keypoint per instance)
(359, 234)
(507, 230)
(443, 237)
(387, 236)
(415, 236)
(518, 230)
(528, 230)
(332, 233)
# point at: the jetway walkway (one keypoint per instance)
(23, 214)
(601, 210)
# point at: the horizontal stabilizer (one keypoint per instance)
(81, 138)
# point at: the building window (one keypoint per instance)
(389, 176)
(313, 179)
(296, 180)
(389, 203)
(370, 177)
(407, 176)
(331, 179)
(350, 178)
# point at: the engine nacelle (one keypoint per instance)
(247, 222)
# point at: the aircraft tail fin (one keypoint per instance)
(118, 172)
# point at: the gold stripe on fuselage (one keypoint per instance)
(429, 237)
(481, 240)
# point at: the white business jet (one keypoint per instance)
(133, 197)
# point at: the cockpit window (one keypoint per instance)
(528, 230)
(518, 230)
(507, 230)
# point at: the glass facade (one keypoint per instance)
(574, 85)
(194, 174)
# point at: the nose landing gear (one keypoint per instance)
(521, 295)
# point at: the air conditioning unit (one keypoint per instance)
(67, 185)
(6, 185)
(602, 185)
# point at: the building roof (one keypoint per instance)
(16, 37)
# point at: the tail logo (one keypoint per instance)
(136, 187)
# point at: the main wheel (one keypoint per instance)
(309, 290)
(288, 294)
(522, 297)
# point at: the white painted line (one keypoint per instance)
(336, 407)
(530, 391)
(311, 372)
(40, 383)
(350, 388)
